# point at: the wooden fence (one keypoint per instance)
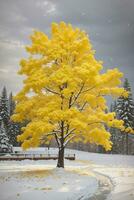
(33, 156)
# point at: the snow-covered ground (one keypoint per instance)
(119, 168)
(91, 176)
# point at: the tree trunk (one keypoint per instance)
(60, 162)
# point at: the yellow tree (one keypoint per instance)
(64, 91)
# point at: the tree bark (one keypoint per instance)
(60, 162)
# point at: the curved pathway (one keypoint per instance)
(114, 183)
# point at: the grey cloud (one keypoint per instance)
(110, 24)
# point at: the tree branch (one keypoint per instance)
(54, 92)
(57, 140)
(89, 89)
(70, 101)
(52, 133)
(96, 123)
(69, 133)
(66, 142)
(76, 97)
(82, 107)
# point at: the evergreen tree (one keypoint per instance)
(125, 112)
(0, 119)
(4, 140)
(13, 132)
(11, 104)
(13, 127)
(4, 108)
(7, 107)
(116, 135)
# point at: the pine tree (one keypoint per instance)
(125, 112)
(4, 108)
(13, 127)
(7, 107)
(11, 104)
(0, 119)
(4, 140)
(116, 135)
(13, 132)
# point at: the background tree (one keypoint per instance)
(7, 107)
(14, 128)
(125, 112)
(4, 140)
(4, 108)
(11, 104)
(116, 135)
(63, 93)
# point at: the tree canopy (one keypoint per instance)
(64, 90)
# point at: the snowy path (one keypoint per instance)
(90, 177)
(119, 169)
(123, 180)
(105, 185)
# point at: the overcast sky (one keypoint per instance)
(109, 23)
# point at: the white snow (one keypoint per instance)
(26, 180)
(119, 168)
